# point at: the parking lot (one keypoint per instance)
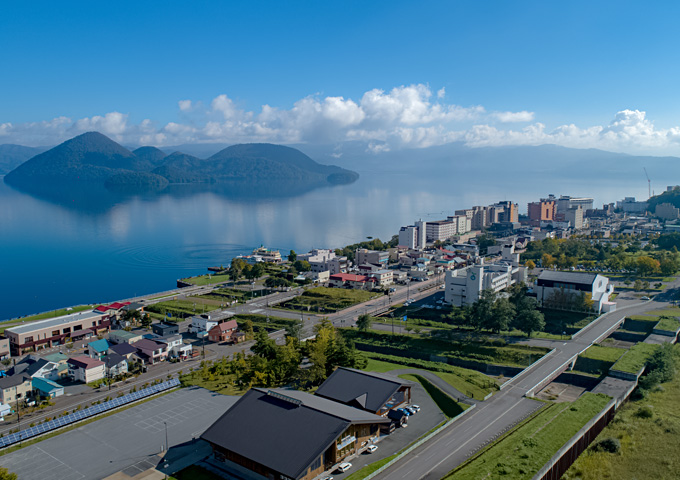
(130, 440)
(418, 424)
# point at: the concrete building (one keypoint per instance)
(565, 202)
(382, 278)
(597, 286)
(508, 212)
(572, 215)
(443, 230)
(85, 369)
(629, 205)
(666, 211)
(542, 211)
(464, 286)
(56, 331)
(408, 237)
(4, 348)
(123, 336)
(206, 321)
(349, 280)
(372, 256)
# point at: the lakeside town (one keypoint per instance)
(491, 308)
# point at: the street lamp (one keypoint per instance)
(166, 437)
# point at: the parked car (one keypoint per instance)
(416, 407)
(406, 412)
(372, 448)
(410, 410)
(344, 466)
(645, 298)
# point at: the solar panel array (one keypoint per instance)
(85, 413)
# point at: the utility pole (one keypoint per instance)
(19, 420)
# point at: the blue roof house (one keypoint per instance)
(47, 388)
(98, 349)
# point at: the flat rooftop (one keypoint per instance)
(53, 322)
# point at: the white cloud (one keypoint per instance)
(404, 117)
(508, 117)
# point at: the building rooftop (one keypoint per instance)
(123, 349)
(99, 346)
(62, 321)
(568, 277)
(125, 334)
(349, 277)
(366, 390)
(287, 429)
(45, 385)
(224, 326)
(83, 361)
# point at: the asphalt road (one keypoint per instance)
(493, 417)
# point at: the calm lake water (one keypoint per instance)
(70, 248)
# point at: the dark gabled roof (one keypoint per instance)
(366, 390)
(113, 359)
(35, 366)
(286, 429)
(568, 277)
(14, 380)
(123, 349)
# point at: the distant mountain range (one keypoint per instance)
(11, 156)
(93, 158)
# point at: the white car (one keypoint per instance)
(416, 407)
(371, 448)
(344, 466)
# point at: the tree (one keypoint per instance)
(502, 313)
(302, 266)
(547, 260)
(530, 264)
(294, 330)
(647, 265)
(485, 241)
(236, 268)
(247, 328)
(482, 309)
(258, 270)
(530, 321)
(637, 286)
(668, 266)
(364, 322)
(264, 346)
(6, 475)
(292, 256)
(146, 320)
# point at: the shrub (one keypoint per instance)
(644, 412)
(609, 445)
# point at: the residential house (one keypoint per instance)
(151, 351)
(206, 321)
(175, 345)
(123, 349)
(115, 365)
(290, 434)
(373, 392)
(223, 332)
(383, 277)
(349, 280)
(15, 387)
(36, 367)
(163, 329)
(122, 336)
(60, 360)
(98, 349)
(86, 369)
(47, 388)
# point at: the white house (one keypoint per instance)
(596, 285)
(86, 369)
(203, 323)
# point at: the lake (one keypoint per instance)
(59, 250)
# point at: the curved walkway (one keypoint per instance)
(438, 382)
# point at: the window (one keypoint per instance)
(77, 327)
(28, 339)
(55, 333)
(67, 330)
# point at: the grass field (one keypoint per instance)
(522, 452)
(668, 324)
(207, 280)
(446, 404)
(462, 379)
(649, 446)
(597, 360)
(328, 299)
(635, 358)
(184, 308)
(458, 352)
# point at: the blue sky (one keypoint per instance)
(564, 69)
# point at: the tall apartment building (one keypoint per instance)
(629, 205)
(574, 216)
(507, 211)
(322, 260)
(542, 211)
(414, 236)
(445, 229)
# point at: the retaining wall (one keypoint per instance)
(634, 377)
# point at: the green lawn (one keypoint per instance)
(261, 321)
(668, 324)
(328, 299)
(446, 404)
(635, 358)
(183, 308)
(223, 384)
(525, 449)
(473, 353)
(464, 380)
(605, 354)
(597, 360)
(205, 280)
(649, 446)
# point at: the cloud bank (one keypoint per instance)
(404, 117)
